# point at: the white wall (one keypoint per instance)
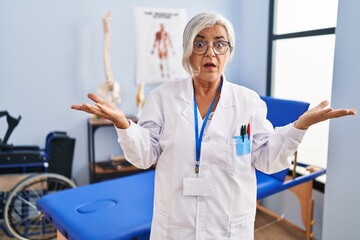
(342, 195)
(51, 57)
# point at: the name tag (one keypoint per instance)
(197, 186)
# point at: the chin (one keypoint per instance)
(211, 75)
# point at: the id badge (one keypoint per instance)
(197, 186)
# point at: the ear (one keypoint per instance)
(195, 71)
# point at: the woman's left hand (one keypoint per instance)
(104, 109)
(321, 113)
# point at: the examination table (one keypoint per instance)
(109, 210)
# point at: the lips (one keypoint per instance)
(209, 65)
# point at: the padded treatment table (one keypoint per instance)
(114, 209)
(268, 185)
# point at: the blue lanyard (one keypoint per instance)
(198, 138)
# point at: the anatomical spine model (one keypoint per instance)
(109, 89)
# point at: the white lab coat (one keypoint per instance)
(165, 135)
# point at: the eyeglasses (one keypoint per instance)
(219, 47)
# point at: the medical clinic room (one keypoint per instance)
(179, 120)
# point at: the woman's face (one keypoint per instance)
(210, 65)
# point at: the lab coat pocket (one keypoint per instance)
(242, 227)
(159, 226)
(239, 157)
(242, 145)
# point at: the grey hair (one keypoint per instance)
(196, 25)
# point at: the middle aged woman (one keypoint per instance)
(191, 128)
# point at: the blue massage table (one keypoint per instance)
(114, 209)
(122, 208)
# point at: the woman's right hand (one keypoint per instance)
(104, 109)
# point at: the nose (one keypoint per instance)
(210, 48)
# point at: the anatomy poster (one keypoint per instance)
(159, 44)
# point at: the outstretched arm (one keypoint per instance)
(321, 113)
(104, 109)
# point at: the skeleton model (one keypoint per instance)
(109, 89)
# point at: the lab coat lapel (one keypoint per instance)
(187, 95)
(224, 111)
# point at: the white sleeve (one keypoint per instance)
(140, 142)
(273, 149)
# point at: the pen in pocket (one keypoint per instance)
(245, 131)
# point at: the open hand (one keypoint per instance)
(321, 113)
(104, 109)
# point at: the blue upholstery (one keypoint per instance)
(109, 210)
(282, 111)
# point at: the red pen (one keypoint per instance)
(248, 130)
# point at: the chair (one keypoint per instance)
(280, 113)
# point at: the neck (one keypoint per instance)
(204, 95)
(205, 88)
